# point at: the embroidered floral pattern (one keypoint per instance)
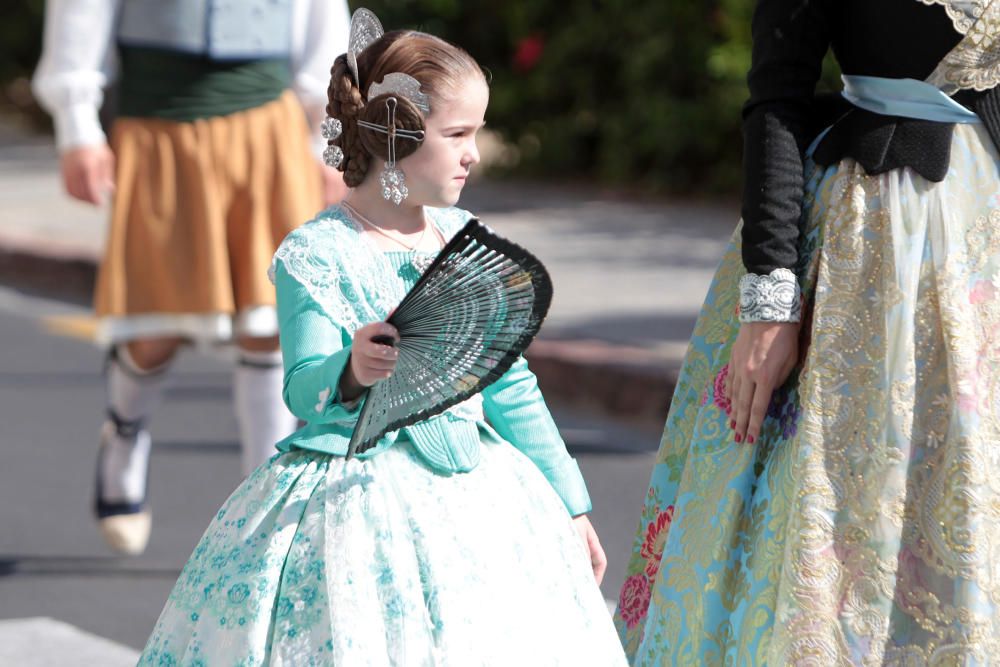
(315, 560)
(719, 390)
(864, 526)
(785, 412)
(656, 535)
(634, 600)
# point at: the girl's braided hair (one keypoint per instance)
(440, 68)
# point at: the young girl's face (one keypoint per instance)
(436, 172)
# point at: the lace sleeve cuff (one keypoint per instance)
(774, 297)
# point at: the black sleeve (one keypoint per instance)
(790, 39)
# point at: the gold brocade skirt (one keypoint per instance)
(199, 209)
(863, 527)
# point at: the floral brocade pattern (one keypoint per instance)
(864, 527)
(318, 561)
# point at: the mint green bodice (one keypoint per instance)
(331, 279)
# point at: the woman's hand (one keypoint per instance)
(598, 561)
(763, 356)
(370, 361)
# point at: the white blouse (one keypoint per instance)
(78, 62)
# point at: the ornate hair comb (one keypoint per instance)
(404, 85)
(365, 29)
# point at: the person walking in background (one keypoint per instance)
(827, 490)
(208, 167)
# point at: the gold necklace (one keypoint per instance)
(384, 232)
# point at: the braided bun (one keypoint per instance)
(408, 117)
(344, 102)
(438, 66)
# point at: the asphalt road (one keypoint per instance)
(52, 561)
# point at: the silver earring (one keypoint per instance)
(393, 182)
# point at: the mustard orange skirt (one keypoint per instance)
(199, 209)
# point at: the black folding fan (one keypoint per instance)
(461, 327)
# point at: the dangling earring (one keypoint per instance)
(392, 179)
(393, 182)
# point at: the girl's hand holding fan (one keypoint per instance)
(372, 359)
(473, 311)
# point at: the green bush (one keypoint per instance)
(642, 93)
(20, 38)
(20, 46)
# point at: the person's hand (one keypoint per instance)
(88, 173)
(334, 188)
(763, 356)
(370, 361)
(598, 561)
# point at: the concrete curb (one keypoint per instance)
(618, 380)
(55, 269)
(622, 381)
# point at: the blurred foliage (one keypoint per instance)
(637, 93)
(641, 93)
(20, 37)
(20, 46)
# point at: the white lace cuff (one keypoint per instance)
(770, 298)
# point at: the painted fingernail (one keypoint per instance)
(732, 423)
(750, 439)
(739, 438)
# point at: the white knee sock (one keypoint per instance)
(260, 411)
(132, 394)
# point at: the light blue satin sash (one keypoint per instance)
(909, 98)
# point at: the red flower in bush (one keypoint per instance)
(633, 602)
(656, 537)
(528, 53)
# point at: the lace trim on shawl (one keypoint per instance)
(308, 256)
(974, 63)
(963, 13)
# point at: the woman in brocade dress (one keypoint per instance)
(827, 490)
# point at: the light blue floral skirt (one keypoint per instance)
(863, 527)
(315, 560)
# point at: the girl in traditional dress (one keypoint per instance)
(455, 541)
(827, 490)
